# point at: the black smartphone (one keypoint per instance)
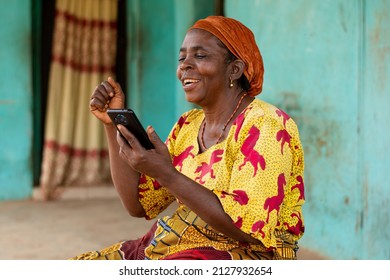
(128, 119)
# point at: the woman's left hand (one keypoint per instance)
(149, 162)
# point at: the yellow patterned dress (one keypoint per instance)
(257, 174)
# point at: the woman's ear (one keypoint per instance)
(237, 69)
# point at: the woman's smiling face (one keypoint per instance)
(202, 69)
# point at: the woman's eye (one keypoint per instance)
(197, 56)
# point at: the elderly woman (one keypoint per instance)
(235, 166)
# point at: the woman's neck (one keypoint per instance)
(220, 117)
(217, 114)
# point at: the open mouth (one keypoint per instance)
(188, 82)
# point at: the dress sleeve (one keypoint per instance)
(259, 175)
(153, 197)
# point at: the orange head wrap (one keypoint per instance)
(240, 40)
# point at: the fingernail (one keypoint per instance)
(151, 129)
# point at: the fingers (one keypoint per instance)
(155, 139)
(130, 138)
(150, 162)
(101, 96)
(116, 86)
(105, 89)
(107, 94)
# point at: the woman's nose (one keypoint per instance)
(186, 64)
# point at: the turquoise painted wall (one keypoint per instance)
(326, 64)
(374, 125)
(15, 101)
(155, 33)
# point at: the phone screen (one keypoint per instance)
(128, 119)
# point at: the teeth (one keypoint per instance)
(189, 81)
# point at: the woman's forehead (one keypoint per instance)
(198, 39)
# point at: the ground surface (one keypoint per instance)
(82, 220)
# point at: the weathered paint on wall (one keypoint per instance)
(374, 126)
(15, 101)
(326, 64)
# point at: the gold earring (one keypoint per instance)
(231, 83)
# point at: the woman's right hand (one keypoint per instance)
(107, 95)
